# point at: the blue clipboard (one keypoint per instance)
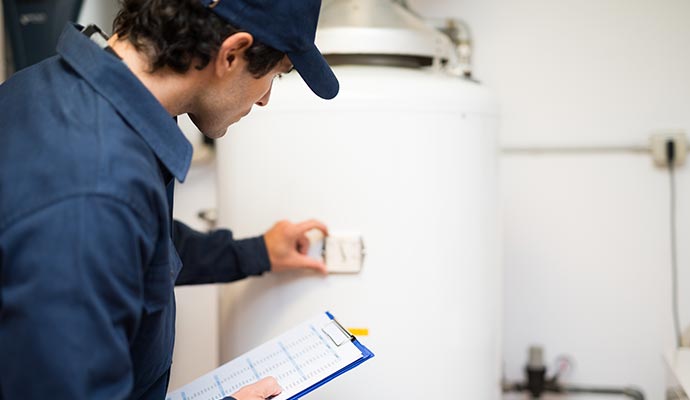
(366, 355)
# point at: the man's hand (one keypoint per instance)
(263, 389)
(288, 245)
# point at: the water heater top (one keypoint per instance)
(378, 27)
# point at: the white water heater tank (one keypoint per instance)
(406, 160)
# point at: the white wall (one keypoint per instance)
(593, 72)
(99, 12)
(586, 245)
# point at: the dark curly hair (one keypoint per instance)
(179, 33)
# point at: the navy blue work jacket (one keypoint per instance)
(88, 247)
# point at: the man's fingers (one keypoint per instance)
(308, 225)
(266, 388)
(269, 387)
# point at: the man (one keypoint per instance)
(89, 152)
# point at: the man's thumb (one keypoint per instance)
(311, 263)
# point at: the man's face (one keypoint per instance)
(231, 97)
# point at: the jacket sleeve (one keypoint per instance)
(71, 299)
(216, 256)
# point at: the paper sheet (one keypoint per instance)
(298, 359)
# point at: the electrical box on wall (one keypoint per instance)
(34, 26)
(662, 143)
(342, 252)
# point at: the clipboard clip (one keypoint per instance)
(337, 333)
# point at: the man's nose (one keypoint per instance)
(263, 101)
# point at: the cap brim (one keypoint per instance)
(316, 72)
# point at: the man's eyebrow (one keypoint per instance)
(288, 69)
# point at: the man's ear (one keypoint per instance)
(231, 52)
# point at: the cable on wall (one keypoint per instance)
(670, 158)
(575, 150)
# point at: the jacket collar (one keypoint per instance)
(113, 80)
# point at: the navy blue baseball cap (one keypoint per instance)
(288, 26)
